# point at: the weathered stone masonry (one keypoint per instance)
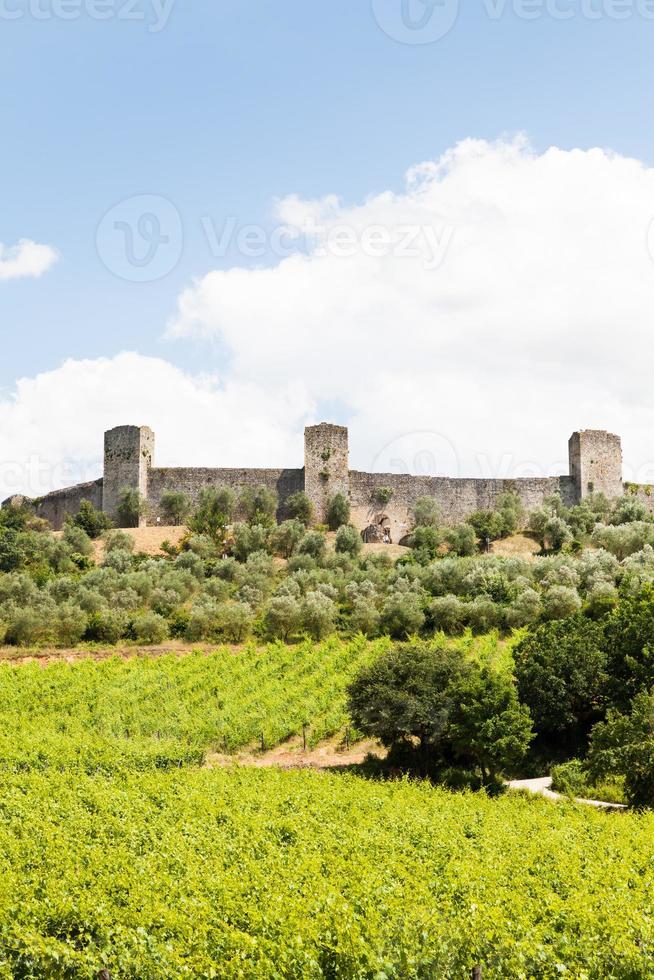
(595, 464)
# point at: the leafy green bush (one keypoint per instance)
(338, 511)
(175, 506)
(313, 544)
(258, 505)
(348, 540)
(93, 522)
(131, 507)
(426, 512)
(213, 513)
(150, 627)
(428, 703)
(300, 507)
(561, 672)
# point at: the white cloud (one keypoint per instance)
(538, 319)
(26, 260)
(51, 429)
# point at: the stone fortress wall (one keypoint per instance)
(595, 464)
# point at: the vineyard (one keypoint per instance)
(171, 710)
(267, 874)
(121, 852)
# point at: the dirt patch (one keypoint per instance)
(126, 651)
(516, 546)
(147, 540)
(330, 754)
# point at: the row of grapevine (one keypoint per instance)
(268, 874)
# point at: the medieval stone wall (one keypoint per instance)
(595, 464)
(457, 497)
(55, 507)
(192, 480)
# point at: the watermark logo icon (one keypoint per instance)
(421, 453)
(416, 21)
(141, 238)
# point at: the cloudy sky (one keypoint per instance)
(429, 223)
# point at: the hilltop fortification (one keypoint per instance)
(378, 500)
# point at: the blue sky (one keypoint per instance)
(233, 105)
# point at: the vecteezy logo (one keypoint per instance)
(418, 454)
(141, 238)
(416, 21)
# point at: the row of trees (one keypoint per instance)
(231, 585)
(621, 528)
(215, 509)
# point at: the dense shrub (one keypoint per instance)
(213, 513)
(258, 505)
(338, 511)
(300, 507)
(348, 540)
(561, 672)
(93, 522)
(150, 627)
(175, 506)
(313, 544)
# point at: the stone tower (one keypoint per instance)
(596, 463)
(128, 456)
(326, 465)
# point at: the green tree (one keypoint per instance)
(402, 615)
(426, 512)
(488, 723)
(461, 540)
(300, 507)
(286, 537)
(92, 521)
(628, 509)
(16, 516)
(407, 694)
(77, 539)
(283, 617)
(249, 538)
(318, 614)
(259, 505)
(629, 645)
(235, 619)
(213, 513)
(118, 541)
(12, 555)
(364, 617)
(175, 506)
(150, 628)
(623, 745)
(561, 672)
(348, 540)
(131, 507)
(313, 543)
(560, 601)
(338, 511)
(488, 525)
(429, 694)
(426, 539)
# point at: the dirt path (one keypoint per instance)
(542, 785)
(330, 754)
